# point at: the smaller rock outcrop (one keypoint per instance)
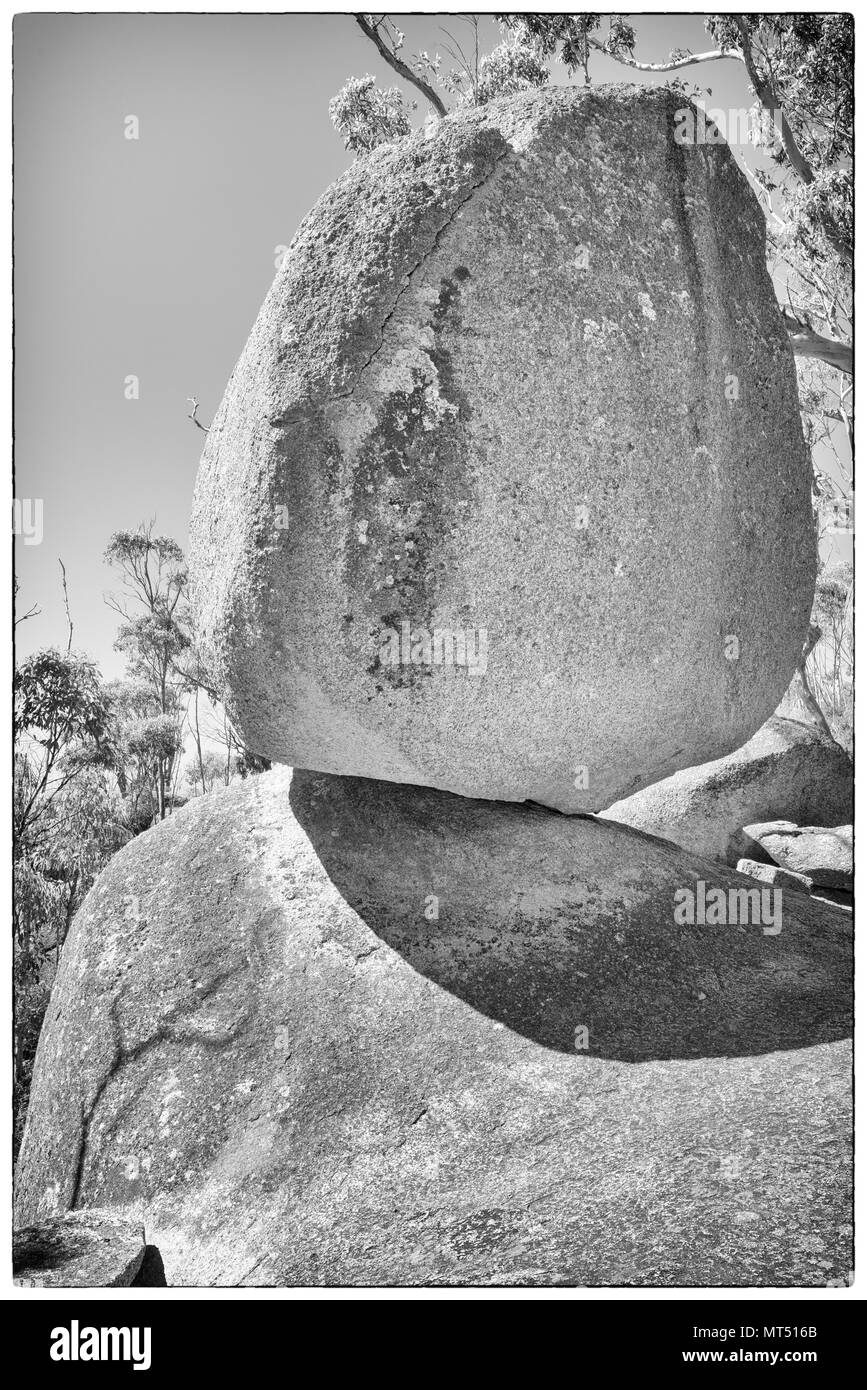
(81, 1250)
(823, 854)
(788, 770)
(773, 874)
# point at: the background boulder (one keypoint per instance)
(824, 854)
(773, 874)
(508, 493)
(327, 1031)
(787, 770)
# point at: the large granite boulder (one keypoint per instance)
(328, 1031)
(508, 493)
(788, 770)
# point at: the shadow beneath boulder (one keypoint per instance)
(152, 1273)
(550, 923)
(38, 1249)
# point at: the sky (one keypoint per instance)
(151, 257)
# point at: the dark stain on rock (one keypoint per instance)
(408, 479)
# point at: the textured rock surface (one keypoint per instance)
(786, 770)
(838, 896)
(825, 855)
(81, 1250)
(773, 874)
(328, 1031)
(524, 381)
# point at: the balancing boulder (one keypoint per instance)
(508, 493)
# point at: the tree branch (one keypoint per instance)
(371, 31)
(192, 415)
(66, 602)
(802, 681)
(671, 64)
(765, 94)
(797, 160)
(33, 612)
(806, 343)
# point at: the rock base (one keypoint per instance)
(325, 1031)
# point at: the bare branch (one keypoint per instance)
(33, 612)
(672, 64)
(371, 31)
(66, 603)
(192, 416)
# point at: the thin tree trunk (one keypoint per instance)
(371, 32)
(228, 737)
(802, 682)
(176, 772)
(806, 343)
(70, 913)
(199, 743)
(66, 601)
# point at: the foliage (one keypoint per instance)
(67, 822)
(209, 773)
(83, 827)
(61, 723)
(510, 68)
(805, 63)
(59, 701)
(249, 764)
(831, 664)
(154, 635)
(568, 32)
(94, 764)
(150, 740)
(32, 993)
(366, 116)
